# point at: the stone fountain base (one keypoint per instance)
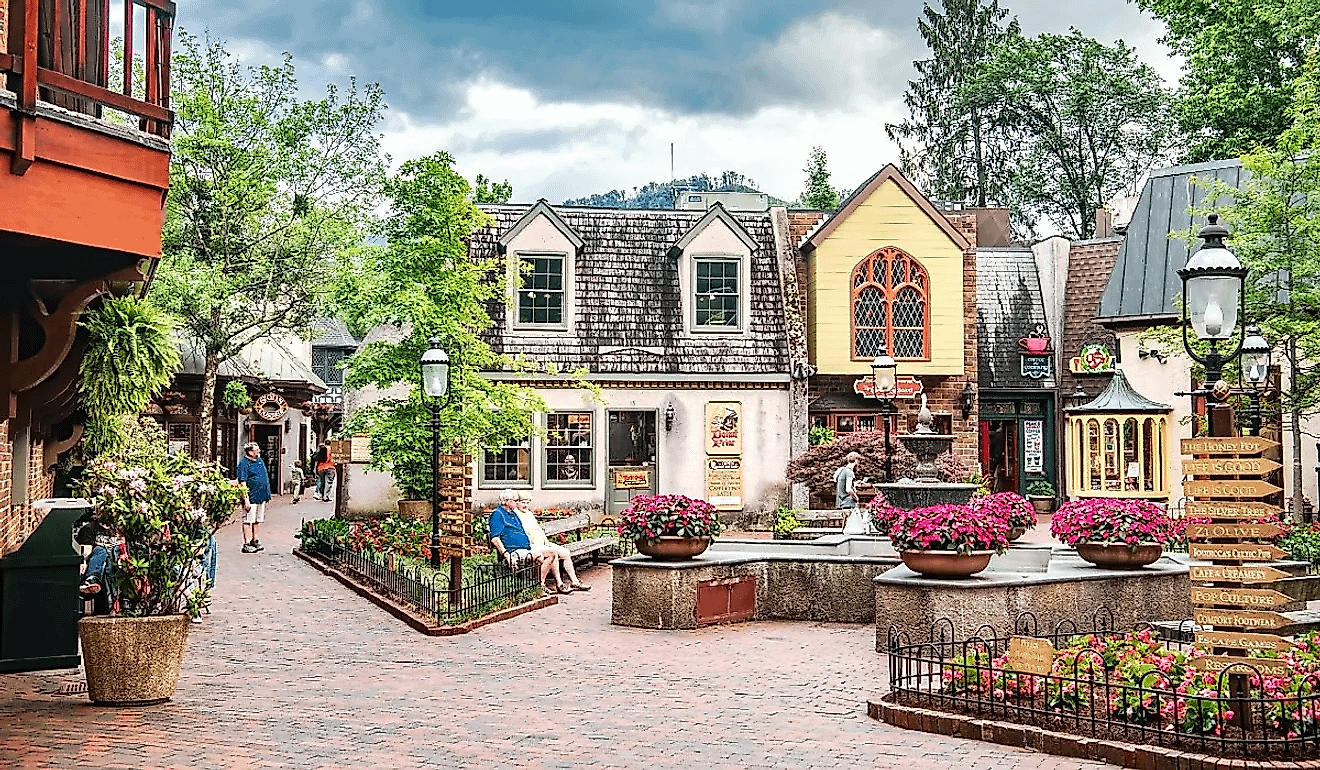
(916, 494)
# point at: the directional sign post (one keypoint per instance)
(1230, 466)
(1240, 640)
(1245, 665)
(1223, 488)
(1254, 619)
(1218, 509)
(1233, 531)
(1233, 574)
(1234, 552)
(1240, 597)
(1227, 445)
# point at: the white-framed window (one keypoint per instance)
(541, 292)
(717, 293)
(570, 457)
(508, 466)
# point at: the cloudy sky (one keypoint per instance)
(570, 97)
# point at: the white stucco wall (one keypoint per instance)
(681, 452)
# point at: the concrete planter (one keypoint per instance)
(946, 564)
(1118, 555)
(132, 661)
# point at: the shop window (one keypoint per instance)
(890, 306)
(569, 449)
(509, 465)
(1118, 456)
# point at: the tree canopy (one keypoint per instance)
(1242, 58)
(265, 189)
(953, 144)
(819, 194)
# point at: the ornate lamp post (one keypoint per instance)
(1255, 370)
(884, 371)
(1212, 302)
(435, 383)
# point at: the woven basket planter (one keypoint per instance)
(133, 661)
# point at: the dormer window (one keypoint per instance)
(541, 295)
(718, 294)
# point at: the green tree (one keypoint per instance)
(427, 286)
(489, 191)
(1242, 57)
(819, 194)
(955, 144)
(1274, 218)
(265, 189)
(1090, 119)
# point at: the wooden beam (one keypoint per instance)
(52, 450)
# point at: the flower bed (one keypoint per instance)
(1123, 686)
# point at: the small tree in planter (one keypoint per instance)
(165, 510)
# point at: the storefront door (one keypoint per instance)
(632, 458)
(270, 439)
(1017, 443)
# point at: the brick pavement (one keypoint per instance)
(292, 670)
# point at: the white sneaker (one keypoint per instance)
(197, 618)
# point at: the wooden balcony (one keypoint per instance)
(84, 134)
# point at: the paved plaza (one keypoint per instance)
(293, 670)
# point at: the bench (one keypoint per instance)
(579, 548)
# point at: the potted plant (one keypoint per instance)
(1010, 506)
(948, 541)
(1113, 533)
(1041, 493)
(669, 527)
(883, 515)
(164, 509)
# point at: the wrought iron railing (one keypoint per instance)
(1231, 716)
(427, 591)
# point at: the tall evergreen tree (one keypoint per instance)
(954, 143)
(819, 194)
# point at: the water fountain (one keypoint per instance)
(926, 489)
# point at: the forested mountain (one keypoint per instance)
(660, 195)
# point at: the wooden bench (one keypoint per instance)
(579, 548)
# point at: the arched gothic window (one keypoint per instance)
(890, 306)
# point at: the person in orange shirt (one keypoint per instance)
(325, 471)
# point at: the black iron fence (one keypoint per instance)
(482, 589)
(1112, 685)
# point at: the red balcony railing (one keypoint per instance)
(60, 51)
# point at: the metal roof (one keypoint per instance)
(1120, 397)
(1144, 281)
(332, 333)
(262, 359)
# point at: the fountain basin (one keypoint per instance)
(916, 494)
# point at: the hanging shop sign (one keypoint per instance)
(632, 479)
(1037, 367)
(724, 427)
(1093, 358)
(270, 407)
(904, 387)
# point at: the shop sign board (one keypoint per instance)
(724, 482)
(724, 427)
(632, 479)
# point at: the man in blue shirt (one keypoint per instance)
(507, 535)
(256, 481)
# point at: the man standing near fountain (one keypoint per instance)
(845, 482)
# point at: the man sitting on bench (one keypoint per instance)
(510, 540)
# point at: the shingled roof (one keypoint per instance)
(1008, 307)
(1144, 282)
(628, 310)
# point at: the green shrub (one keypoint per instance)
(786, 520)
(820, 435)
(1040, 488)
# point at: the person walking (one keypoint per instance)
(256, 493)
(325, 471)
(845, 482)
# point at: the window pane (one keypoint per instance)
(569, 450)
(717, 292)
(869, 319)
(510, 463)
(541, 300)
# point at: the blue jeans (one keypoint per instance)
(323, 483)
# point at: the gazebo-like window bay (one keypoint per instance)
(1118, 445)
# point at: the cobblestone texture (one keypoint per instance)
(292, 670)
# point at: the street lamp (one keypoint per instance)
(1212, 300)
(884, 370)
(435, 383)
(1255, 370)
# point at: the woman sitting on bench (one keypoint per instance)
(558, 556)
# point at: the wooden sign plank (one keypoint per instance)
(1227, 445)
(1219, 509)
(1241, 640)
(1245, 488)
(1239, 618)
(1234, 552)
(1244, 574)
(1230, 466)
(1029, 655)
(1242, 531)
(1220, 662)
(1240, 597)
(454, 541)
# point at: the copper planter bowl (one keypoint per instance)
(1015, 533)
(673, 547)
(1119, 555)
(946, 564)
